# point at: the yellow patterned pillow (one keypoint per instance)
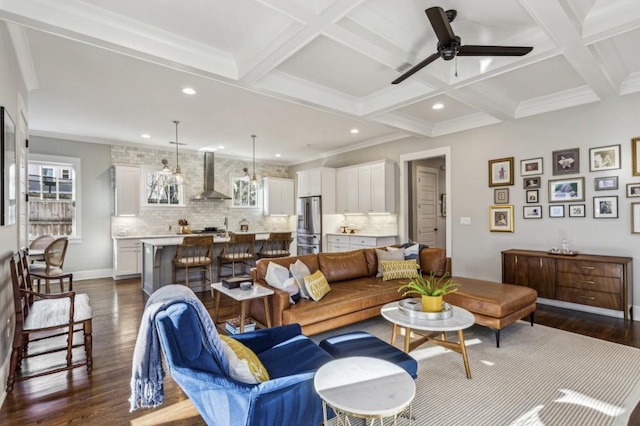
(396, 269)
(244, 365)
(316, 285)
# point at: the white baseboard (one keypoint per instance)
(585, 308)
(89, 275)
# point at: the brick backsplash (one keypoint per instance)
(156, 220)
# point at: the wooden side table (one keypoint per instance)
(242, 296)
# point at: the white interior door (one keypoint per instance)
(426, 205)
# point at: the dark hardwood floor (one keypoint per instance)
(101, 398)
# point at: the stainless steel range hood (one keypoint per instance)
(209, 192)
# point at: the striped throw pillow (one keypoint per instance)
(396, 269)
(244, 364)
(316, 285)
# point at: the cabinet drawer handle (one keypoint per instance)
(586, 281)
(587, 297)
(588, 267)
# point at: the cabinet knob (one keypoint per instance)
(587, 297)
(587, 282)
(588, 267)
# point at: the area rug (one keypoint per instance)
(539, 376)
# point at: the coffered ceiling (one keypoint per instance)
(300, 74)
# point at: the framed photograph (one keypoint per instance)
(556, 211)
(566, 162)
(501, 196)
(604, 158)
(563, 190)
(605, 207)
(8, 166)
(633, 190)
(635, 218)
(531, 182)
(532, 212)
(605, 183)
(532, 196)
(532, 166)
(577, 210)
(501, 172)
(501, 218)
(635, 156)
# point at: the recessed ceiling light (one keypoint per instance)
(146, 136)
(220, 146)
(355, 131)
(278, 155)
(437, 106)
(188, 91)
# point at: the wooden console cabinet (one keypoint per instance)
(586, 279)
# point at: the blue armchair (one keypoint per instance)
(291, 359)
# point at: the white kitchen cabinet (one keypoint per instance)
(320, 181)
(376, 187)
(347, 190)
(278, 196)
(337, 243)
(127, 257)
(127, 190)
(347, 242)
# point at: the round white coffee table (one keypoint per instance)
(364, 387)
(460, 320)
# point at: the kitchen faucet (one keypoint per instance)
(226, 226)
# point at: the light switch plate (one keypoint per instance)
(465, 221)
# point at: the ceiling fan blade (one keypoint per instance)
(416, 68)
(440, 24)
(471, 50)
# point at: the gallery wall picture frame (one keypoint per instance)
(577, 210)
(605, 183)
(566, 161)
(605, 207)
(532, 212)
(566, 190)
(501, 172)
(8, 205)
(635, 218)
(531, 196)
(633, 190)
(532, 182)
(501, 196)
(531, 167)
(604, 158)
(635, 156)
(556, 210)
(501, 218)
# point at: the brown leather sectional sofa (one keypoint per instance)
(356, 293)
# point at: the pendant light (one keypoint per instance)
(166, 171)
(254, 180)
(177, 173)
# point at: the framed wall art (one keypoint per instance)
(566, 162)
(532, 212)
(501, 196)
(604, 158)
(605, 207)
(8, 167)
(577, 210)
(635, 218)
(531, 182)
(635, 156)
(563, 190)
(633, 190)
(605, 183)
(556, 211)
(532, 196)
(501, 218)
(532, 166)
(501, 172)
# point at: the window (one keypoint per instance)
(243, 193)
(54, 188)
(162, 190)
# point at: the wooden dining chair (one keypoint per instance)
(51, 269)
(277, 245)
(38, 246)
(40, 317)
(240, 249)
(195, 254)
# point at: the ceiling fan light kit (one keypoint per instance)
(450, 45)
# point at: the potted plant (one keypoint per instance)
(431, 290)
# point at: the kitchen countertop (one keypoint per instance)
(174, 235)
(176, 240)
(363, 234)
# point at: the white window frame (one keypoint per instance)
(165, 181)
(233, 178)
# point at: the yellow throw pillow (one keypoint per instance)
(316, 285)
(244, 365)
(396, 269)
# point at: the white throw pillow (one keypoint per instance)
(299, 270)
(412, 251)
(276, 275)
(388, 255)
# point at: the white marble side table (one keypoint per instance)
(242, 296)
(460, 320)
(364, 387)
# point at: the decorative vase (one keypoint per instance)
(432, 303)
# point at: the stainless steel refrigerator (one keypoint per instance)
(309, 232)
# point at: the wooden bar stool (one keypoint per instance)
(195, 254)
